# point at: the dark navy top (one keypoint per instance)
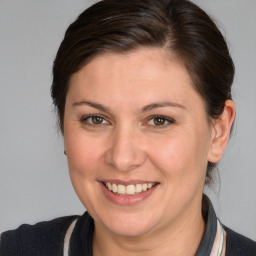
(47, 238)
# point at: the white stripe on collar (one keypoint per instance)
(67, 238)
(218, 248)
(219, 245)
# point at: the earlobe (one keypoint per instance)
(221, 132)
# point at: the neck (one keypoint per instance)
(169, 240)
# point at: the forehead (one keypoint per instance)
(137, 77)
(141, 60)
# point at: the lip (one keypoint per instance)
(127, 200)
(126, 183)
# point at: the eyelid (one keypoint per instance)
(168, 119)
(86, 117)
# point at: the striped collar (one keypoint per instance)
(79, 235)
(213, 242)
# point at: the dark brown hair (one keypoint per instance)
(178, 26)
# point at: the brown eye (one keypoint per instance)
(159, 121)
(94, 120)
(97, 119)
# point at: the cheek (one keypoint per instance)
(181, 155)
(83, 154)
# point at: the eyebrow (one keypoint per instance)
(161, 105)
(146, 108)
(93, 105)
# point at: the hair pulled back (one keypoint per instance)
(178, 26)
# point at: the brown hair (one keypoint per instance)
(179, 26)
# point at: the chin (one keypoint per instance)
(130, 230)
(129, 224)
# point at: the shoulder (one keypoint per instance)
(239, 245)
(43, 238)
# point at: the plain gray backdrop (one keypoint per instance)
(34, 179)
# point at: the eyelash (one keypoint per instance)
(165, 119)
(169, 121)
(85, 119)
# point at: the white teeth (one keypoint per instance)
(121, 189)
(150, 185)
(129, 189)
(114, 188)
(138, 188)
(144, 187)
(109, 185)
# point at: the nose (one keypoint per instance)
(125, 152)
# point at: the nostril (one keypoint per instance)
(124, 160)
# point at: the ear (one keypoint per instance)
(221, 132)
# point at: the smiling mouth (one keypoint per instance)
(129, 190)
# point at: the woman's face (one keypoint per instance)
(133, 121)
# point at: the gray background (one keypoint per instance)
(34, 179)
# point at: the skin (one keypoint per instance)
(128, 145)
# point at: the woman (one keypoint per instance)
(143, 93)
